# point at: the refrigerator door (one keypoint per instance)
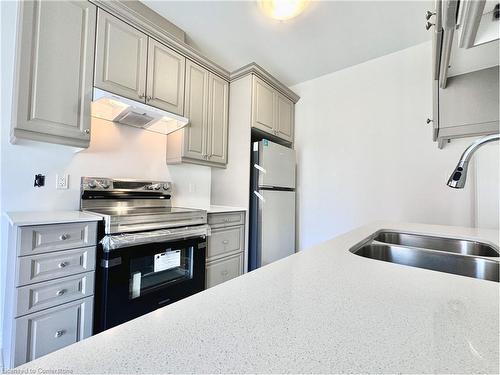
(277, 225)
(277, 165)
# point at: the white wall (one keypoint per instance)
(365, 153)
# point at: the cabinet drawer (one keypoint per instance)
(48, 294)
(224, 269)
(49, 330)
(225, 240)
(53, 237)
(33, 269)
(226, 219)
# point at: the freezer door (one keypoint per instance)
(277, 225)
(277, 165)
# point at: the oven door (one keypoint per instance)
(138, 279)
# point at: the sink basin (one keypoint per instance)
(450, 245)
(458, 257)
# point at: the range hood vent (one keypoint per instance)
(116, 108)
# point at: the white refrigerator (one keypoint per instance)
(272, 203)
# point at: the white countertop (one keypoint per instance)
(324, 310)
(215, 209)
(23, 218)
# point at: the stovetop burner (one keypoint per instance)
(131, 205)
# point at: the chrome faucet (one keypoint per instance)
(459, 175)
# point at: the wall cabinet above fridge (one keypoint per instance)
(465, 69)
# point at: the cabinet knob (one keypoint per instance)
(142, 96)
(148, 98)
(59, 333)
(60, 292)
(64, 236)
(428, 25)
(62, 264)
(428, 121)
(429, 14)
(87, 131)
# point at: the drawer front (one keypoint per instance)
(49, 330)
(226, 219)
(45, 238)
(224, 269)
(224, 241)
(48, 294)
(36, 268)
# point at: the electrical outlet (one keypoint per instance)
(62, 181)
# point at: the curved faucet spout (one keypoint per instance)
(459, 175)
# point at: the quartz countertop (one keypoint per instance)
(323, 310)
(215, 209)
(23, 218)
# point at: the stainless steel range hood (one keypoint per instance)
(116, 108)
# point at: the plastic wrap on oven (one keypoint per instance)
(116, 241)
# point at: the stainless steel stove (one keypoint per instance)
(150, 254)
(132, 205)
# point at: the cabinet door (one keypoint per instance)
(196, 111)
(49, 330)
(165, 85)
(263, 106)
(217, 119)
(224, 269)
(121, 56)
(285, 118)
(54, 72)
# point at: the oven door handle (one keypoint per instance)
(117, 241)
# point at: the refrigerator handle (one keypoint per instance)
(258, 167)
(259, 196)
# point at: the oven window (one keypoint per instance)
(152, 272)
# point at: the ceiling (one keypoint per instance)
(326, 37)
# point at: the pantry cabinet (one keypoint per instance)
(53, 72)
(133, 65)
(204, 140)
(272, 112)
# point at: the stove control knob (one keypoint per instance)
(166, 186)
(92, 184)
(105, 184)
(157, 186)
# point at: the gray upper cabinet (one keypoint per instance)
(272, 112)
(195, 144)
(54, 68)
(121, 58)
(204, 140)
(264, 115)
(165, 83)
(218, 119)
(285, 118)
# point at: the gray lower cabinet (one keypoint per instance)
(54, 70)
(204, 140)
(49, 288)
(48, 330)
(226, 247)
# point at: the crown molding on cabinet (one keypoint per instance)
(254, 68)
(133, 17)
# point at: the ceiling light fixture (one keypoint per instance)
(282, 9)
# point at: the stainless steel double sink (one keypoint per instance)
(456, 256)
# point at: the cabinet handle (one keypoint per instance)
(225, 242)
(59, 333)
(428, 25)
(429, 14)
(64, 236)
(62, 264)
(148, 98)
(60, 292)
(428, 121)
(87, 131)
